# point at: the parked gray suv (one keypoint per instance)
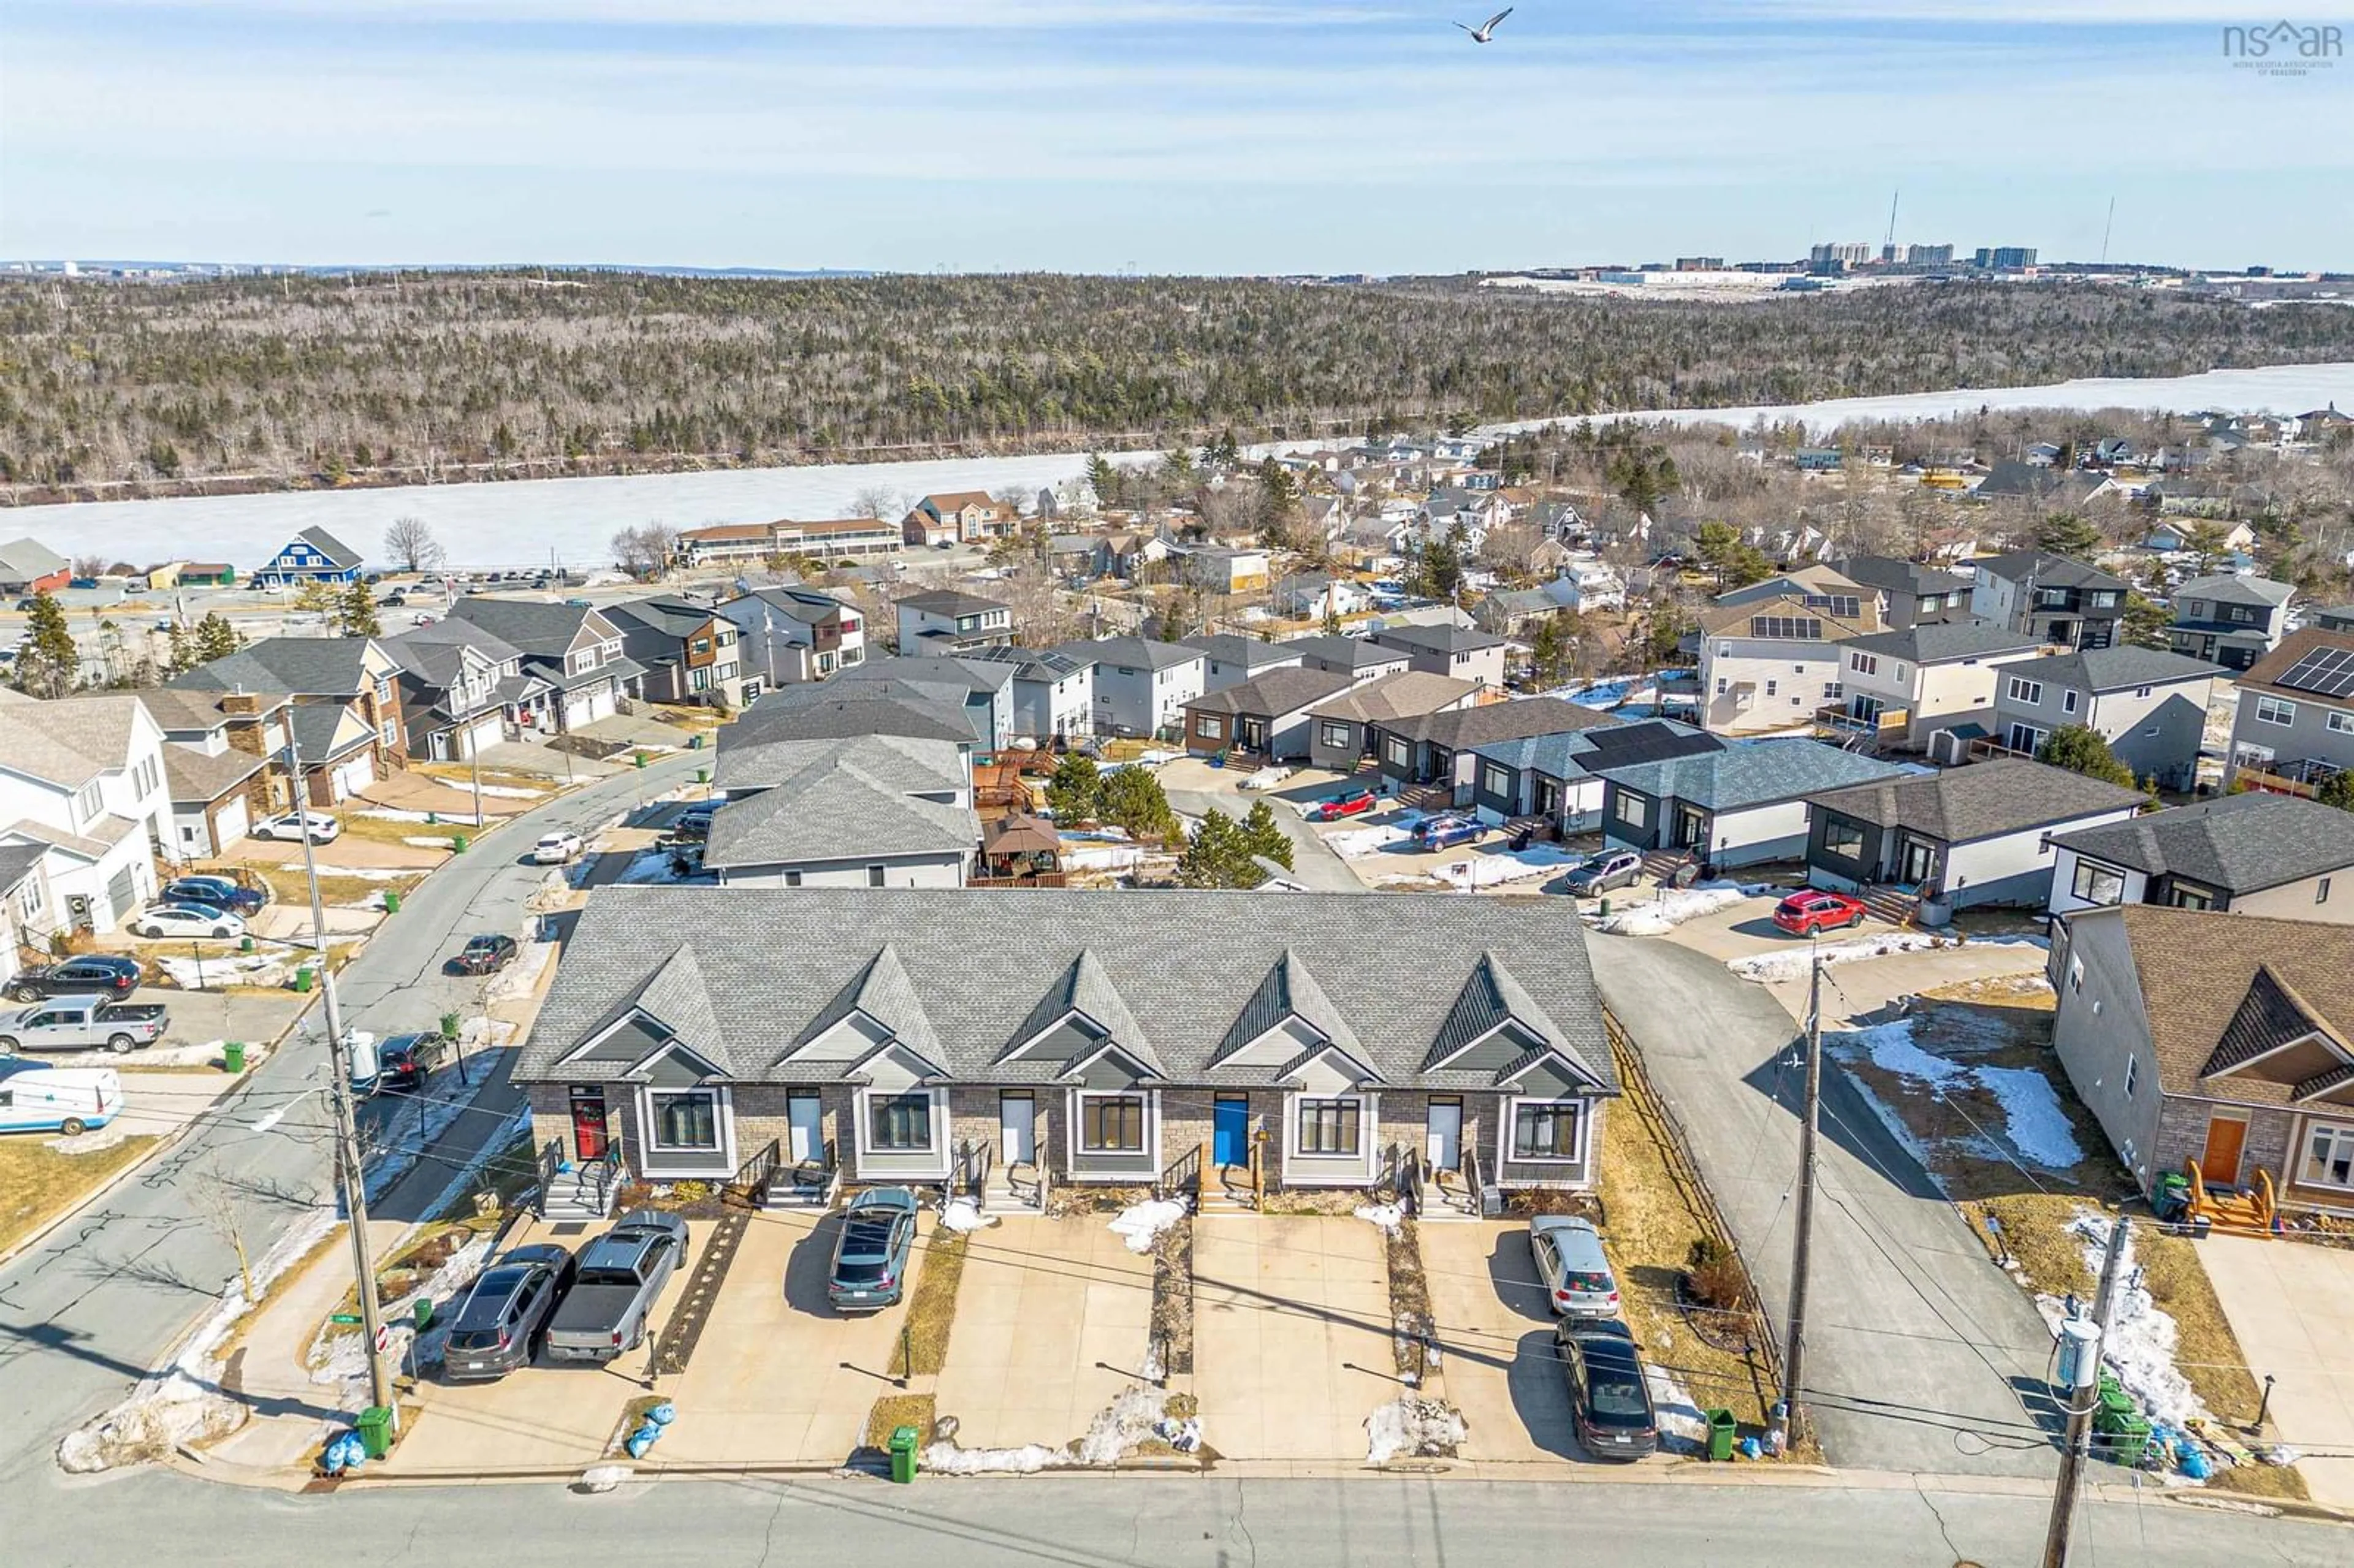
(500, 1319)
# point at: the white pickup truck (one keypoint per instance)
(82, 1023)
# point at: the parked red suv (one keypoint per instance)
(1804, 913)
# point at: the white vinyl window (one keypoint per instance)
(1210, 727)
(2067, 702)
(2098, 884)
(2341, 723)
(2028, 692)
(2329, 1156)
(1863, 663)
(2275, 710)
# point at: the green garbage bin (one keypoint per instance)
(2123, 1440)
(450, 1023)
(1605, 909)
(233, 1057)
(695, 743)
(457, 843)
(392, 901)
(642, 759)
(703, 776)
(376, 1430)
(902, 1453)
(305, 978)
(245, 944)
(431, 818)
(424, 1314)
(1720, 1433)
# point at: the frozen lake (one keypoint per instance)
(518, 524)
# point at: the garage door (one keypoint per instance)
(354, 776)
(230, 825)
(122, 893)
(488, 731)
(600, 704)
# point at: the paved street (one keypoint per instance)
(1155, 1522)
(92, 1308)
(1925, 1356)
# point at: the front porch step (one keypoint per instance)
(1889, 901)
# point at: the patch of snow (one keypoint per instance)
(1102, 857)
(236, 969)
(418, 1119)
(396, 815)
(1388, 1216)
(1265, 779)
(521, 977)
(964, 1216)
(2032, 1118)
(948, 1460)
(1414, 1427)
(1792, 963)
(1119, 1426)
(604, 1477)
(1670, 907)
(1140, 1223)
(181, 1402)
(651, 867)
(96, 1140)
(1390, 838)
(504, 791)
(426, 842)
(1892, 1049)
(203, 1053)
(1683, 1428)
(1502, 866)
(2140, 1344)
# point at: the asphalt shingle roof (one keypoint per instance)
(1437, 639)
(844, 801)
(1247, 651)
(2239, 843)
(2199, 972)
(306, 666)
(16, 862)
(1286, 689)
(2262, 592)
(67, 743)
(1576, 754)
(1752, 774)
(2113, 669)
(191, 774)
(1985, 800)
(1184, 965)
(1132, 652)
(2048, 570)
(1941, 643)
(1395, 696)
(1348, 653)
(1466, 729)
(2266, 672)
(951, 602)
(1891, 575)
(831, 712)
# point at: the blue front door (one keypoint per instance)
(1231, 1146)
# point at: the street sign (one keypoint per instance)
(343, 1318)
(383, 1337)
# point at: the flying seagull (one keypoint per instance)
(1486, 31)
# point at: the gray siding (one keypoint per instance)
(2099, 1023)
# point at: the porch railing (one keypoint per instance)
(753, 1176)
(551, 1163)
(1475, 1183)
(1183, 1174)
(1417, 1193)
(969, 1175)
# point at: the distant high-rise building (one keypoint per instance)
(2005, 257)
(1846, 253)
(1699, 263)
(1928, 255)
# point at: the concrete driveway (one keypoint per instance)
(1925, 1357)
(1291, 1334)
(1054, 1319)
(540, 1417)
(1497, 1335)
(2288, 1304)
(780, 1377)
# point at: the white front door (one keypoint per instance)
(1444, 1144)
(806, 1117)
(1017, 1128)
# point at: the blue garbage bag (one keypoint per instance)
(663, 1414)
(2193, 1460)
(345, 1452)
(1752, 1449)
(641, 1439)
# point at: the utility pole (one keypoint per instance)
(475, 755)
(1794, 1342)
(349, 1173)
(2082, 1398)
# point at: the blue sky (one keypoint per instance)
(1166, 135)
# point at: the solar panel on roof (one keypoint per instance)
(1846, 606)
(2329, 672)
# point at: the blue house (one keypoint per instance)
(313, 555)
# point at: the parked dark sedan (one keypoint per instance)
(92, 975)
(217, 891)
(1609, 1398)
(502, 1317)
(405, 1061)
(871, 1256)
(485, 955)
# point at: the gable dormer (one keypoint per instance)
(2277, 1036)
(1496, 1031)
(1285, 1017)
(877, 1008)
(1080, 1020)
(663, 1033)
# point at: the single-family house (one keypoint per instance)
(949, 621)
(1735, 805)
(1053, 695)
(688, 653)
(2296, 721)
(2231, 621)
(1466, 516)
(874, 810)
(1770, 663)
(1555, 777)
(206, 574)
(1359, 658)
(2198, 1039)
(313, 555)
(571, 647)
(2255, 854)
(1312, 596)
(1516, 612)
(31, 913)
(772, 738)
(1911, 592)
(1108, 1038)
(791, 634)
(1817, 582)
(1463, 653)
(461, 688)
(346, 718)
(224, 762)
(1230, 660)
(2187, 506)
(2061, 601)
(27, 566)
(1965, 836)
(957, 517)
(1900, 688)
(2150, 705)
(1343, 734)
(1266, 717)
(983, 689)
(1141, 686)
(1436, 749)
(86, 779)
(1219, 570)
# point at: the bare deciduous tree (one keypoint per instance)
(411, 545)
(215, 1207)
(879, 501)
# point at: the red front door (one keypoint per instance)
(588, 1128)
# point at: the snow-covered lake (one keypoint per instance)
(518, 524)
